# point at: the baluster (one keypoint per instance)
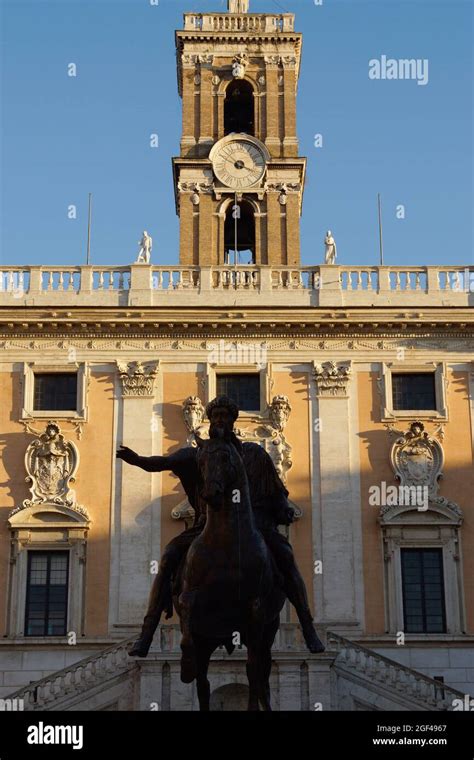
(101, 280)
(121, 285)
(418, 281)
(41, 693)
(170, 279)
(111, 275)
(380, 671)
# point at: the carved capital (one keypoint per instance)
(138, 379)
(288, 61)
(282, 187)
(332, 379)
(189, 60)
(272, 61)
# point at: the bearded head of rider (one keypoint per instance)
(222, 413)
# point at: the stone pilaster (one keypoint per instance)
(337, 520)
(293, 230)
(272, 139)
(206, 224)
(274, 240)
(136, 522)
(188, 138)
(290, 140)
(206, 110)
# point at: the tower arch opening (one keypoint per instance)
(239, 233)
(239, 108)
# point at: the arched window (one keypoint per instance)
(239, 108)
(239, 234)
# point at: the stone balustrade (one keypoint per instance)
(85, 674)
(382, 678)
(175, 286)
(76, 678)
(244, 22)
(428, 693)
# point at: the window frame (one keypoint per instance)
(437, 528)
(404, 550)
(48, 553)
(241, 374)
(403, 375)
(38, 375)
(30, 369)
(389, 414)
(46, 527)
(265, 372)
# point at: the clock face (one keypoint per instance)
(239, 164)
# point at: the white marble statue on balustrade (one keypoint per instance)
(146, 245)
(238, 6)
(331, 250)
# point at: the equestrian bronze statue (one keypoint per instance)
(233, 569)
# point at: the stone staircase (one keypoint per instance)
(89, 684)
(356, 677)
(366, 680)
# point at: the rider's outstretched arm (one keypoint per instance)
(150, 464)
(154, 464)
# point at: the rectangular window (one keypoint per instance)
(46, 593)
(413, 391)
(55, 392)
(423, 591)
(244, 389)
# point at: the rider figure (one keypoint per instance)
(270, 505)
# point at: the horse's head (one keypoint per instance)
(220, 467)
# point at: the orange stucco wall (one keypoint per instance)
(93, 485)
(457, 485)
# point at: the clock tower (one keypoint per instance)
(239, 180)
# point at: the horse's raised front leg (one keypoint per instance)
(188, 656)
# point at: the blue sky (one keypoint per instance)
(63, 137)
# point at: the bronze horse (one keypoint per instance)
(228, 582)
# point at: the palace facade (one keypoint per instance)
(358, 381)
